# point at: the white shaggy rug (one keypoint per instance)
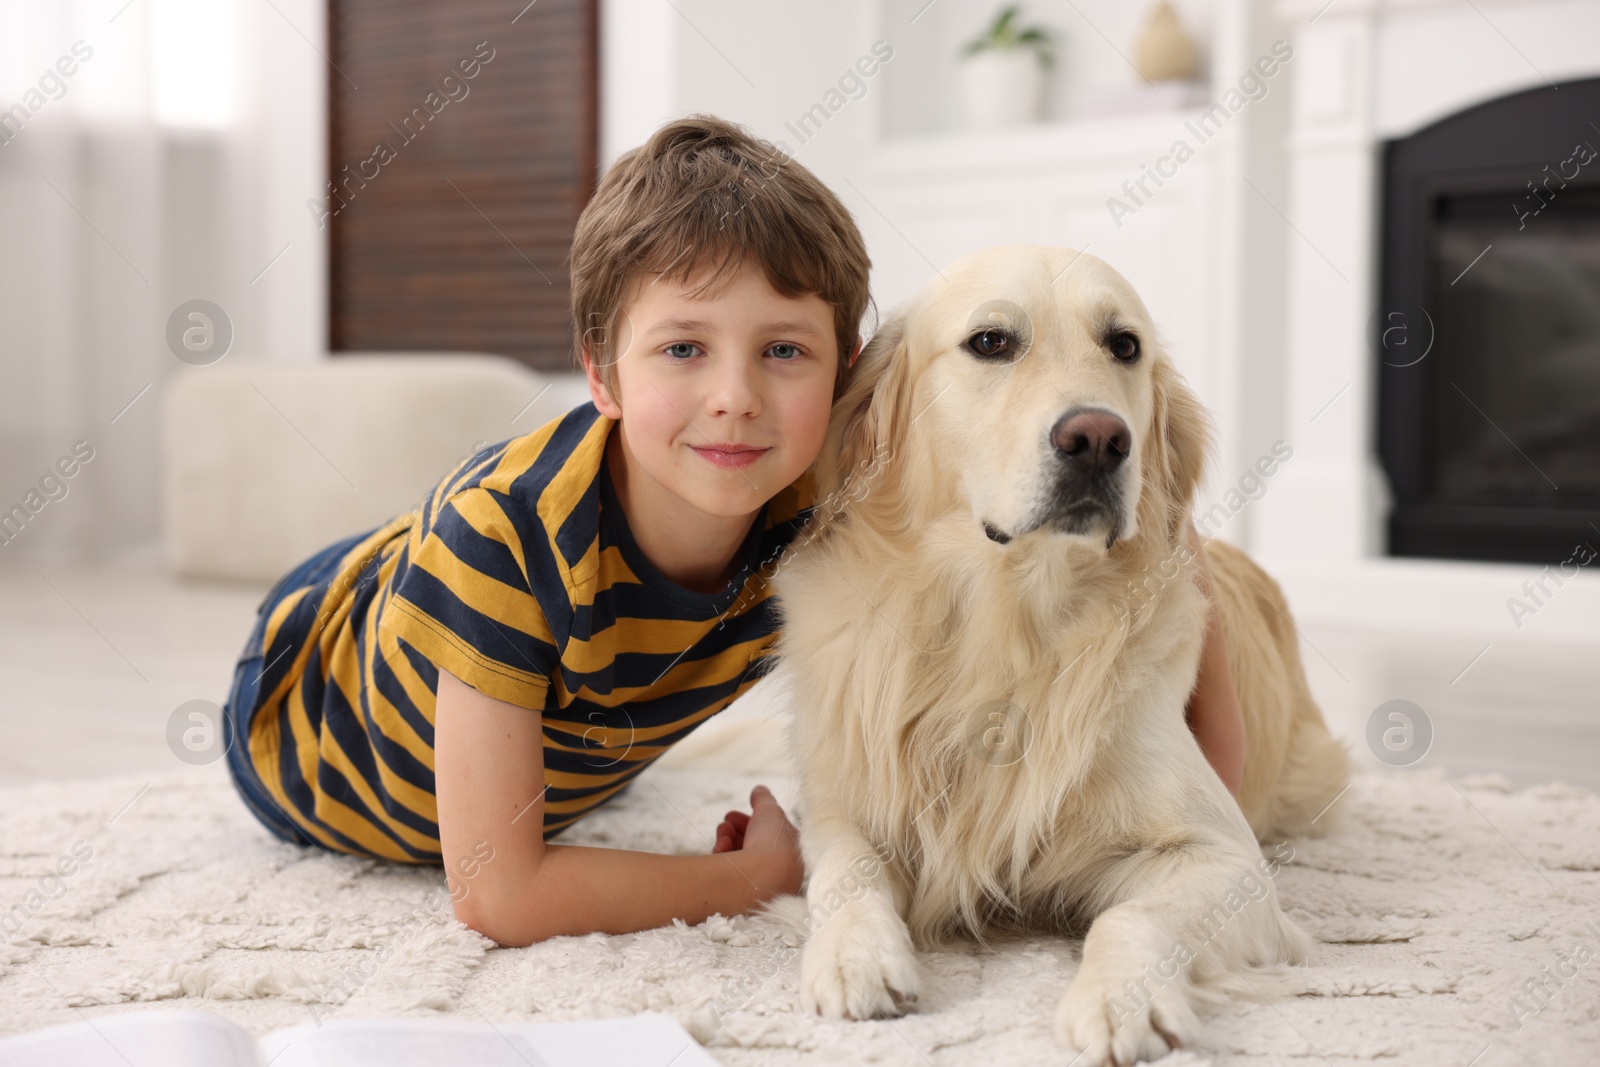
(1435, 906)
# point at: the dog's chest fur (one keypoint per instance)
(989, 716)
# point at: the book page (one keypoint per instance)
(150, 1038)
(397, 1043)
(651, 1040)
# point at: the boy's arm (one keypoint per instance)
(513, 888)
(1214, 714)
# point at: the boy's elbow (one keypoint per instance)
(506, 926)
(496, 897)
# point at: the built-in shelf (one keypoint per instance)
(962, 152)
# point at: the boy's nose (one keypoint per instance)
(734, 393)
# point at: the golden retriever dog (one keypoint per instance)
(992, 629)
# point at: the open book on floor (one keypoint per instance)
(188, 1038)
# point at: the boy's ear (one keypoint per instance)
(865, 419)
(603, 400)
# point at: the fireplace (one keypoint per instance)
(1487, 330)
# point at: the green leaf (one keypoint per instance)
(1003, 35)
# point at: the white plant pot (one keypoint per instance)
(1002, 88)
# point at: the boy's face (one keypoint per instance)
(745, 368)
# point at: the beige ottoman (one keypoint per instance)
(266, 461)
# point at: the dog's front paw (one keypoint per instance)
(859, 964)
(1108, 1019)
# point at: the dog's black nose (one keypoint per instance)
(1093, 441)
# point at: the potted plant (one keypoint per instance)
(1002, 72)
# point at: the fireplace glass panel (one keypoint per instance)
(1519, 348)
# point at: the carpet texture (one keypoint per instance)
(1458, 921)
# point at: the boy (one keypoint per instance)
(465, 682)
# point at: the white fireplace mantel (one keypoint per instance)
(1367, 71)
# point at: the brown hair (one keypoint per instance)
(702, 188)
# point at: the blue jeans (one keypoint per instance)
(240, 707)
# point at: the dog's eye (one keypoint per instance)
(988, 344)
(1124, 347)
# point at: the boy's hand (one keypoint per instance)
(765, 830)
(730, 832)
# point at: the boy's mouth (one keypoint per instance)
(730, 454)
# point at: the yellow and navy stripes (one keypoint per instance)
(519, 576)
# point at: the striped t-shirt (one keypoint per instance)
(519, 576)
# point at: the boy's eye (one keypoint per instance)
(685, 350)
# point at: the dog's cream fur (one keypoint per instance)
(992, 735)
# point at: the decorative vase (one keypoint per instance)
(1002, 87)
(1166, 52)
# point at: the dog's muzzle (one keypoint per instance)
(1090, 446)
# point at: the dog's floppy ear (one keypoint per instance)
(863, 426)
(1181, 442)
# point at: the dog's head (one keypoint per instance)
(1027, 385)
